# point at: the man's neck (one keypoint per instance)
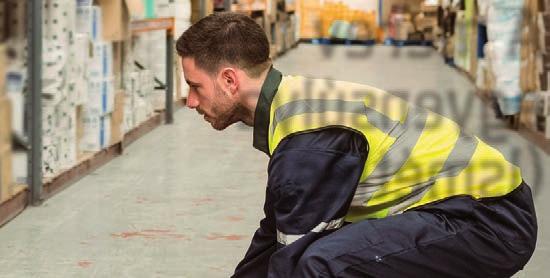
(250, 95)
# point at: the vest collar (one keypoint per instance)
(263, 109)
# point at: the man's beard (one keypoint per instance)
(229, 116)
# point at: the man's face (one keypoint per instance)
(210, 96)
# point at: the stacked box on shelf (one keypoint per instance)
(101, 95)
(310, 19)
(503, 50)
(271, 10)
(97, 115)
(544, 45)
(343, 20)
(13, 83)
(543, 113)
(138, 86)
(542, 99)
(426, 21)
(63, 81)
(400, 22)
(6, 179)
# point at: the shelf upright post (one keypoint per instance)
(34, 96)
(170, 75)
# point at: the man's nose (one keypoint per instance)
(192, 101)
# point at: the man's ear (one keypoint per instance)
(229, 79)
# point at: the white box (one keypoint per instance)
(20, 167)
(96, 132)
(101, 62)
(108, 91)
(542, 107)
(95, 24)
(101, 96)
(88, 21)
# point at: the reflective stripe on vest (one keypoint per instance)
(415, 156)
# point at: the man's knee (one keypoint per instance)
(313, 263)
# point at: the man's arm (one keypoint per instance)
(263, 244)
(312, 180)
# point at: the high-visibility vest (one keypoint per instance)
(415, 156)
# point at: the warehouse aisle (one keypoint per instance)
(184, 200)
(174, 205)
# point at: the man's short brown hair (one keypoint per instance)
(226, 37)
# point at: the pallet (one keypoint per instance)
(401, 43)
(323, 41)
(12, 207)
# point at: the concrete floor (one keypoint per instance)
(184, 200)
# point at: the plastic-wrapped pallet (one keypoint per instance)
(504, 20)
(148, 43)
(16, 71)
(59, 87)
(50, 140)
(100, 88)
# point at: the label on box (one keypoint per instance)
(96, 132)
(101, 63)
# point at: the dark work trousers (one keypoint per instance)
(457, 237)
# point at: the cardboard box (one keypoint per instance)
(310, 20)
(3, 65)
(5, 123)
(136, 8)
(543, 104)
(117, 118)
(6, 175)
(16, 19)
(279, 36)
(115, 20)
(402, 30)
(271, 10)
(543, 125)
(3, 22)
(527, 116)
(118, 60)
(428, 8)
(423, 22)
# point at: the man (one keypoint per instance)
(360, 183)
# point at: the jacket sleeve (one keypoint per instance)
(312, 181)
(256, 260)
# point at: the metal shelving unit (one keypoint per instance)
(167, 24)
(37, 185)
(38, 188)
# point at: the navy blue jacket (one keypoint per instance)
(312, 178)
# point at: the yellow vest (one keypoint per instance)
(415, 156)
